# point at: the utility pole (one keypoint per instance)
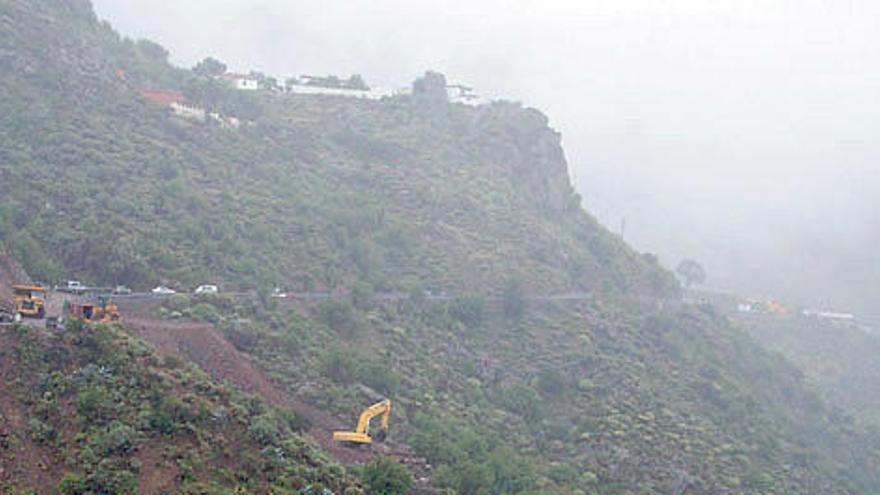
(622, 227)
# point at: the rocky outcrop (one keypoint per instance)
(522, 141)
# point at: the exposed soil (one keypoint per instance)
(22, 462)
(203, 345)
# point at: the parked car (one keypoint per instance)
(207, 289)
(279, 294)
(163, 291)
(122, 290)
(74, 287)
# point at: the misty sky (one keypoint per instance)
(742, 133)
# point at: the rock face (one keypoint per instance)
(532, 151)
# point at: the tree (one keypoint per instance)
(210, 67)
(270, 83)
(356, 81)
(385, 476)
(432, 87)
(691, 272)
(290, 82)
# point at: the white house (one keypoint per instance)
(188, 112)
(241, 81)
(459, 93)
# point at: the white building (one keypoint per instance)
(241, 81)
(350, 93)
(188, 112)
(459, 93)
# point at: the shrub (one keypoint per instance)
(264, 429)
(510, 473)
(93, 403)
(552, 384)
(241, 334)
(269, 427)
(378, 376)
(205, 312)
(513, 300)
(523, 400)
(340, 365)
(468, 310)
(161, 422)
(118, 439)
(362, 295)
(109, 477)
(385, 476)
(340, 316)
(40, 431)
(72, 484)
(177, 302)
(466, 478)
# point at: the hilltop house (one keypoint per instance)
(241, 81)
(459, 93)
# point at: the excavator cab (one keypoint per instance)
(29, 300)
(362, 433)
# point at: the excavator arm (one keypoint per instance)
(361, 434)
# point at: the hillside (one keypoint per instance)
(95, 411)
(318, 192)
(436, 231)
(840, 358)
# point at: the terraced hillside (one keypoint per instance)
(624, 391)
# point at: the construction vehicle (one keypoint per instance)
(29, 300)
(103, 311)
(362, 434)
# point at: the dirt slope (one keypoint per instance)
(202, 344)
(22, 462)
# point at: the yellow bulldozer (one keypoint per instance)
(362, 434)
(29, 301)
(104, 311)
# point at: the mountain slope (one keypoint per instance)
(621, 389)
(317, 192)
(838, 357)
(95, 411)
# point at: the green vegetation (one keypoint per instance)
(385, 476)
(467, 210)
(839, 357)
(103, 407)
(314, 193)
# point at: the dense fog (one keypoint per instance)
(740, 134)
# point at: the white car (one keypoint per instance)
(163, 291)
(279, 294)
(207, 289)
(74, 287)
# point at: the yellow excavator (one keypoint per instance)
(362, 434)
(29, 300)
